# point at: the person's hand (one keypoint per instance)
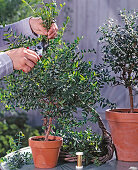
(23, 59)
(37, 27)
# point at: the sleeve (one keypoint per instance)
(19, 27)
(6, 66)
(23, 26)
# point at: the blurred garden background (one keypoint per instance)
(86, 17)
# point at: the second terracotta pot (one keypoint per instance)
(124, 131)
(45, 153)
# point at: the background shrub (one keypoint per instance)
(12, 11)
(12, 125)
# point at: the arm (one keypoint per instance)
(28, 27)
(17, 59)
(19, 27)
(6, 63)
(22, 59)
(6, 66)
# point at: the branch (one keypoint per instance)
(49, 129)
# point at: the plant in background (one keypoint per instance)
(119, 46)
(8, 10)
(10, 125)
(17, 159)
(120, 51)
(13, 11)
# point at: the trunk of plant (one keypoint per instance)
(45, 43)
(47, 132)
(131, 99)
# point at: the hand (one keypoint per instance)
(23, 59)
(37, 27)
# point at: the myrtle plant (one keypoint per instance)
(78, 138)
(61, 81)
(119, 46)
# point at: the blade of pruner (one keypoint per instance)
(44, 44)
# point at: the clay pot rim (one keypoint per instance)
(117, 111)
(116, 116)
(35, 137)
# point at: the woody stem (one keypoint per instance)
(49, 129)
(131, 99)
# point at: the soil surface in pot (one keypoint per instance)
(126, 112)
(43, 139)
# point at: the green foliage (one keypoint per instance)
(119, 47)
(12, 11)
(77, 140)
(61, 82)
(10, 126)
(17, 159)
(8, 9)
(47, 11)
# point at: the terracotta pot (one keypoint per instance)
(124, 131)
(45, 153)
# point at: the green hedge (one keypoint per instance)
(12, 125)
(14, 10)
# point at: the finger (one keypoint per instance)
(34, 53)
(52, 36)
(29, 63)
(53, 28)
(42, 30)
(31, 56)
(56, 27)
(41, 33)
(31, 51)
(26, 69)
